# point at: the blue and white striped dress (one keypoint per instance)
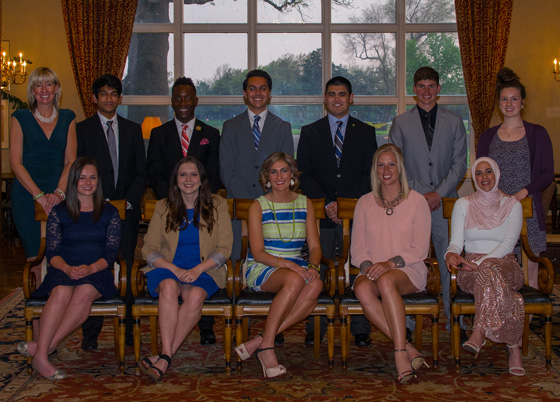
(284, 233)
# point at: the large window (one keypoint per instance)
(377, 44)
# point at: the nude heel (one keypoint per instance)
(273, 371)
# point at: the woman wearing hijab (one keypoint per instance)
(487, 225)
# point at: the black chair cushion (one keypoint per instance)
(218, 298)
(249, 297)
(420, 298)
(40, 301)
(530, 296)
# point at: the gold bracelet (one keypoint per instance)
(315, 267)
(278, 262)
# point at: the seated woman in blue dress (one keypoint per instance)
(82, 241)
(188, 242)
(280, 222)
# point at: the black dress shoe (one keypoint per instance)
(362, 340)
(89, 343)
(207, 337)
(408, 335)
(279, 340)
(464, 336)
(310, 339)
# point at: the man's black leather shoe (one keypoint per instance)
(464, 336)
(89, 343)
(207, 337)
(362, 340)
(279, 340)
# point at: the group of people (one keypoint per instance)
(399, 185)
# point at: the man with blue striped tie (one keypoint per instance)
(334, 158)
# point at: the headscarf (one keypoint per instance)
(485, 210)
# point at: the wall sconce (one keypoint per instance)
(555, 71)
(149, 123)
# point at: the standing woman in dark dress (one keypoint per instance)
(523, 151)
(83, 239)
(42, 148)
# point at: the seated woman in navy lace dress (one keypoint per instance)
(83, 239)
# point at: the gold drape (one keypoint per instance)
(483, 28)
(98, 34)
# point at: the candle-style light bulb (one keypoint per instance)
(555, 65)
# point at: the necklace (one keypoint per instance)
(390, 205)
(293, 222)
(46, 119)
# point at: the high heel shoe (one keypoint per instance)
(405, 375)
(417, 361)
(472, 347)
(273, 371)
(513, 370)
(58, 374)
(242, 350)
(22, 349)
(154, 372)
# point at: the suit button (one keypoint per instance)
(256, 167)
(431, 184)
(254, 185)
(430, 164)
(338, 175)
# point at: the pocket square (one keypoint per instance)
(204, 141)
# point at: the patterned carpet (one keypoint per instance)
(197, 372)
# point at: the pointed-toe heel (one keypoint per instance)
(58, 374)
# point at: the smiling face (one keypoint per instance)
(188, 179)
(107, 101)
(87, 183)
(387, 169)
(184, 102)
(510, 102)
(426, 92)
(484, 176)
(257, 94)
(44, 92)
(338, 100)
(279, 175)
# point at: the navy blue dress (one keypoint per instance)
(187, 256)
(79, 243)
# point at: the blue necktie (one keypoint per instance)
(338, 141)
(256, 131)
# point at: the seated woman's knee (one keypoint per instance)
(195, 297)
(315, 287)
(61, 294)
(387, 282)
(168, 288)
(85, 294)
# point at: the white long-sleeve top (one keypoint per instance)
(495, 243)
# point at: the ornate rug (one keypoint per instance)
(197, 372)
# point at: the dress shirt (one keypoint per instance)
(190, 128)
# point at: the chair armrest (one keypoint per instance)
(453, 281)
(230, 278)
(330, 276)
(546, 272)
(29, 280)
(433, 284)
(238, 277)
(340, 277)
(137, 278)
(121, 280)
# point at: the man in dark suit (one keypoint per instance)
(334, 158)
(117, 146)
(185, 135)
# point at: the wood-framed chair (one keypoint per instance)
(417, 304)
(220, 304)
(249, 303)
(537, 301)
(113, 307)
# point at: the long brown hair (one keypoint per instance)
(72, 201)
(203, 207)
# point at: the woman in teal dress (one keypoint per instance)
(42, 148)
(280, 222)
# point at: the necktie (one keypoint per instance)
(185, 139)
(112, 142)
(428, 129)
(256, 131)
(338, 142)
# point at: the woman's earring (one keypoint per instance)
(292, 182)
(268, 184)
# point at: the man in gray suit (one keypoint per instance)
(434, 145)
(247, 140)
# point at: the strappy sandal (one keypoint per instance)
(417, 361)
(242, 350)
(405, 375)
(147, 363)
(273, 371)
(472, 347)
(513, 370)
(154, 372)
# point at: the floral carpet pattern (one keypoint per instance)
(197, 372)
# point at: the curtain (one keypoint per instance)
(483, 28)
(98, 34)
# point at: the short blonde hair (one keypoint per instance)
(272, 159)
(376, 184)
(38, 75)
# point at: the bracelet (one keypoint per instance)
(42, 193)
(315, 267)
(278, 262)
(60, 194)
(398, 261)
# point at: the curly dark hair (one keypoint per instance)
(506, 78)
(203, 208)
(273, 158)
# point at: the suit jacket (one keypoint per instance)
(216, 245)
(240, 162)
(440, 168)
(131, 179)
(164, 151)
(320, 176)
